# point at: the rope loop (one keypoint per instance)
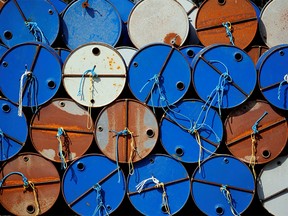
(60, 133)
(36, 31)
(226, 193)
(81, 84)
(285, 80)
(229, 29)
(99, 200)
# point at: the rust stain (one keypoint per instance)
(173, 39)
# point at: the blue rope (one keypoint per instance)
(229, 199)
(25, 180)
(99, 199)
(80, 90)
(285, 80)
(1, 143)
(60, 133)
(118, 134)
(255, 125)
(228, 29)
(33, 92)
(36, 31)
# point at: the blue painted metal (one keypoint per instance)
(176, 131)
(218, 59)
(100, 22)
(46, 72)
(14, 30)
(190, 51)
(272, 71)
(3, 49)
(217, 171)
(13, 129)
(86, 172)
(159, 62)
(168, 171)
(60, 5)
(63, 53)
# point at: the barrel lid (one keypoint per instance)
(38, 23)
(158, 21)
(226, 182)
(149, 184)
(34, 72)
(96, 20)
(93, 181)
(152, 75)
(60, 5)
(3, 49)
(256, 51)
(41, 182)
(63, 53)
(197, 129)
(61, 120)
(127, 53)
(13, 130)
(190, 51)
(94, 74)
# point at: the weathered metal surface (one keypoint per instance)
(63, 53)
(135, 117)
(73, 119)
(90, 180)
(156, 177)
(273, 25)
(127, 53)
(94, 74)
(241, 15)
(271, 137)
(220, 175)
(41, 173)
(190, 52)
(21, 22)
(272, 186)
(255, 52)
(153, 21)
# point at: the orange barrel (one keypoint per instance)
(225, 21)
(61, 130)
(256, 51)
(162, 21)
(94, 74)
(30, 185)
(256, 133)
(126, 131)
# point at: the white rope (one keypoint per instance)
(26, 73)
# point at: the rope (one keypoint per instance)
(35, 193)
(285, 80)
(25, 74)
(80, 89)
(24, 179)
(36, 31)
(158, 184)
(99, 200)
(91, 90)
(228, 28)
(60, 133)
(133, 152)
(226, 193)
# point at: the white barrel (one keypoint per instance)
(127, 53)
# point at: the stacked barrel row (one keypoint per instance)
(153, 107)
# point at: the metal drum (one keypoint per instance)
(3, 49)
(191, 10)
(92, 185)
(60, 5)
(191, 132)
(160, 186)
(13, 130)
(126, 131)
(229, 22)
(30, 185)
(272, 186)
(158, 21)
(225, 186)
(25, 23)
(127, 53)
(62, 130)
(106, 72)
(34, 73)
(256, 51)
(256, 134)
(223, 75)
(93, 20)
(159, 75)
(190, 51)
(273, 76)
(63, 53)
(273, 23)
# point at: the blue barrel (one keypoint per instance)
(160, 186)
(29, 20)
(93, 20)
(190, 51)
(63, 53)
(60, 5)
(34, 73)
(13, 130)
(3, 49)
(191, 131)
(273, 76)
(92, 185)
(223, 75)
(225, 186)
(159, 75)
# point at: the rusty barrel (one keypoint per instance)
(93, 185)
(25, 23)
(160, 186)
(256, 133)
(126, 131)
(62, 130)
(226, 182)
(225, 21)
(256, 51)
(30, 185)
